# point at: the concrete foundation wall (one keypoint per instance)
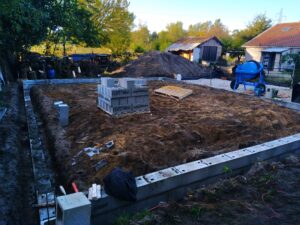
(172, 183)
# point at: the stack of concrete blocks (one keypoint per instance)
(123, 96)
(63, 113)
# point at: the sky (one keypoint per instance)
(235, 14)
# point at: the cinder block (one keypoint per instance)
(57, 103)
(139, 100)
(73, 209)
(63, 114)
(140, 82)
(115, 92)
(109, 82)
(127, 83)
(139, 91)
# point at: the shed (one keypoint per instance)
(197, 48)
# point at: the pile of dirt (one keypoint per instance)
(267, 194)
(207, 123)
(157, 64)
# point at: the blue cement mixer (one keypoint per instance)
(250, 73)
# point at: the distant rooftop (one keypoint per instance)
(189, 43)
(280, 35)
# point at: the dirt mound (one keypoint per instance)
(157, 64)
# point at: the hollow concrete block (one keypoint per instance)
(73, 209)
(63, 111)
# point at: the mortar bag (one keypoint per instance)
(120, 184)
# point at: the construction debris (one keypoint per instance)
(94, 192)
(173, 91)
(157, 64)
(100, 165)
(91, 151)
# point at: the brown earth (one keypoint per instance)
(267, 195)
(207, 123)
(157, 64)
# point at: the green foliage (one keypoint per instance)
(259, 24)
(197, 211)
(208, 29)
(113, 21)
(23, 23)
(141, 40)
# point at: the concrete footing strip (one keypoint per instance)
(172, 183)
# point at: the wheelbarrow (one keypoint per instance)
(250, 73)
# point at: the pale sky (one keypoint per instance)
(235, 14)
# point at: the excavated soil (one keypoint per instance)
(157, 64)
(267, 195)
(207, 123)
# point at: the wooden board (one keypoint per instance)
(173, 91)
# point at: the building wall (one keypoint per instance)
(253, 54)
(211, 42)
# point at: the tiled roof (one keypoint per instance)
(280, 35)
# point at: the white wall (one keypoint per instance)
(253, 54)
(196, 55)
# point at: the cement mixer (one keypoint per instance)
(250, 73)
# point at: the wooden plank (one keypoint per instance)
(174, 91)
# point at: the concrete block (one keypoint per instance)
(140, 82)
(57, 103)
(139, 100)
(139, 91)
(193, 171)
(63, 114)
(109, 82)
(127, 83)
(115, 92)
(73, 209)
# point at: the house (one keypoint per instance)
(196, 48)
(271, 45)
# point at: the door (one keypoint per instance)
(209, 53)
(268, 60)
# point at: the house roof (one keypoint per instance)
(280, 35)
(189, 43)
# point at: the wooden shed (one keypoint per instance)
(197, 49)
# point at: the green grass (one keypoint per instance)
(71, 49)
(126, 218)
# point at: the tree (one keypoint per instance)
(113, 22)
(173, 32)
(141, 40)
(23, 23)
(208, 29)
(259, 24)
(234, 43)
